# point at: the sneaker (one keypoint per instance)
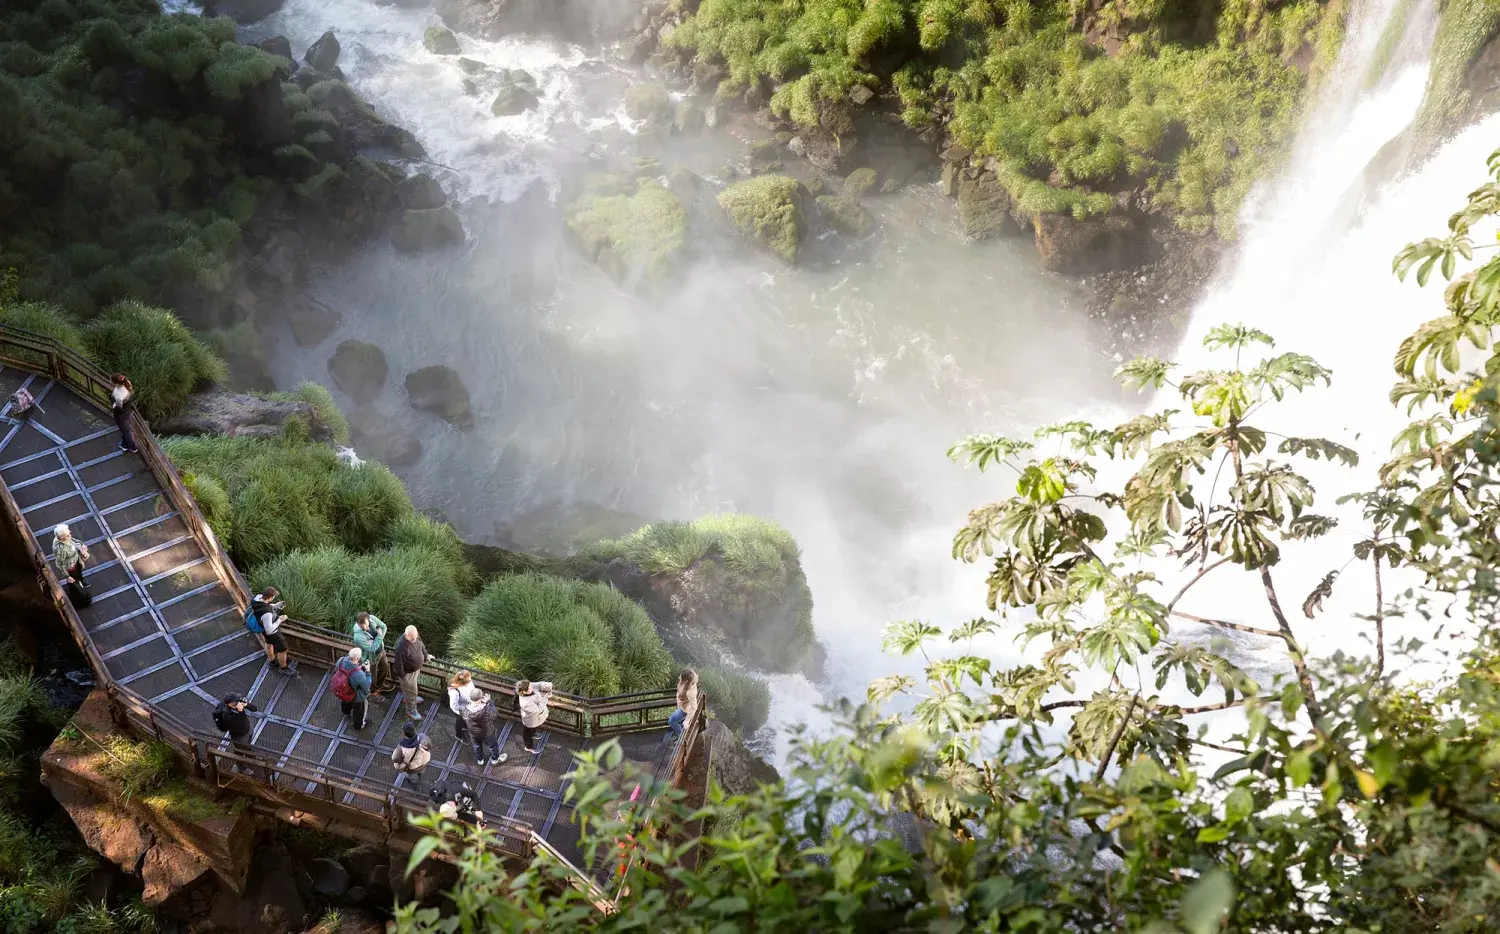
(496, 760)
(414, 716)
(480, 763)
(290, 668)
(534, 752)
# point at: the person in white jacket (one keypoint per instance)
(461, 692)
(531, 697)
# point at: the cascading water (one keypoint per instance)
(821, 397)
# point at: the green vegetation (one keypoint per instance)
(137, 147)
(1463, 30)
(138, 767)
(586, 638)
(768, 208)
(322, 402)
(46, 320)
(403, 585)
(748, 544)
(741, 701)
(163, 359)
(1074, 787)
(1191, 108)
(643, 233)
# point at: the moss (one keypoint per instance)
(768, 208)
(631, 235)
(586, 638)
(845, 214)
(649, 102)
(178, 799)
(1464, 29)
(860, 181)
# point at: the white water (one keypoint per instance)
(825, 398)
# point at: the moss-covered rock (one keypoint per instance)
(323, 54)
(440, 40)
(768, 208)
(513, 99)
(1092, 245)
(845, 214)
(730, 580)
(648, 102)
(635, 237)
(860, 181)
(984, 207)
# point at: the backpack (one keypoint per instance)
(221, 716)
(340, 685)
(252, 620)
(21, 401)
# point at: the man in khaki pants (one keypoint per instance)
(411, 655)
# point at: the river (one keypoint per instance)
(823, 397)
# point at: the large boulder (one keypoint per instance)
(984, 207)
(861, 181)
(736, 769)
(440, 40)
(845, 214)
(311, 321)
(513, 99)
(1086, 247)
(419, 231)
(168, 869)
(359, 369)
(108, 831)
(240, 415)
(438, 390)
(636, 237)
(323, 54)
(277, 45)
(648, 102)
(769, 209)
(330, 878)
(421, 192)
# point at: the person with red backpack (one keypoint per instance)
(351, 685)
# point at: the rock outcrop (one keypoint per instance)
(238, 414)
(421, 192)
(359, 369)
(438, 390)
(984, 207)
(770, 209)
(418, 231)
(440, 40)
(513, 99)
(635, 231)
(1093, 245)
(323, 54)
(736, 769)
(845, 214)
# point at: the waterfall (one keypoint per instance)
(1314, 271)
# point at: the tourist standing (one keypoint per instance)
(481, 721)
(687, 690)
(269, 611)
(411, 655)
(531, 697)
(461, 690)
(369, 635)
(351, 685)
(122, 401)
(231, 718)
(411, 755)
(68, 557)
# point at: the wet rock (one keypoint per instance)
(167, 869)
(984, 208)
(359, 369)
(239, 415)
(513, 99)
(323, 54)
(688, 116)
(311, 321)
(769, 209)
(330, 878)
(637, 236)
(277, 45)
(470, 88)
(357, 894)
(438, 390)
(890, 186)
(1085, 247)
(860, 181)
(518, 76)
(364, 859)
(471, 67)
(737, 770)
(648, 102)
(384, 436)
(420, 231)
(955, 153)
(421, 192)
(948, 179)
(859, 95)
(440, 40)
(797, 146)
(845, 214)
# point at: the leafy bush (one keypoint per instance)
(743, 702)
(404, 586)
(587, 638)
(162, 357)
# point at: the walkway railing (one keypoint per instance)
(286, 780)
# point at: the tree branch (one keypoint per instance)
(1224, 624)
(1379, 619)
(1293, 651)
(1115, 740)
(1196, 578)
(1207, 708)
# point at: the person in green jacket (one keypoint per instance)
(369, 635)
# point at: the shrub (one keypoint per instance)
(746, 543)
(46, 320)
(322, 402)
(367, 502)
(309, 582)
(645, 231)
(743, 702)
(160, 355)
(416, 530)
(213, 502)
(585, 637)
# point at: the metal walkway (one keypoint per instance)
(165, 626)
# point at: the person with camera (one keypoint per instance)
(351, 685)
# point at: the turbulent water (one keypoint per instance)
(822, 397)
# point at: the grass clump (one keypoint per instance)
(45, 320)
(637, 234)
(743, 702)
(407, 585)
(328, 412)
(586, 638)
(1190, 108)
(213, 502)
(159, 354)
(1464, 29)
(138, 767)
(748, 544)
(768, 208)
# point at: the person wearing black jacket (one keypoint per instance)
(231, 718)
(411, 655)
(480, 719)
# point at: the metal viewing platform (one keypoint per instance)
(165, 636)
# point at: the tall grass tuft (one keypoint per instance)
(213, 502)
(322, 402)
(46, 320)
(585, 637)
(367, 502)
(417, 530)
(743, 702)
(159, 354)
(745, 543)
